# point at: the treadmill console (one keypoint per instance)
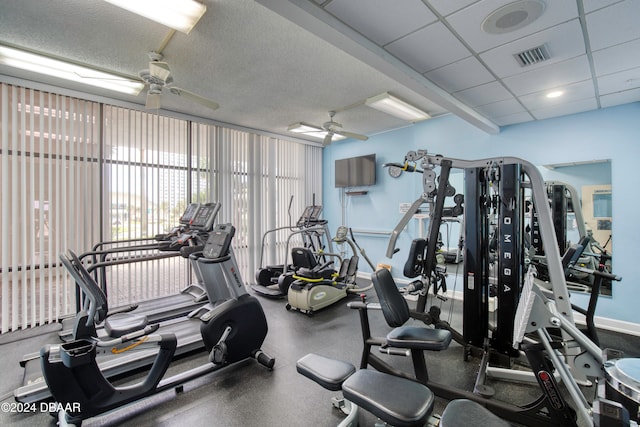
(573, 253)
(219, 241)
(189, 213)
(205, 216)
(175, 232)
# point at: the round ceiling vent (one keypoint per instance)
(513, 16)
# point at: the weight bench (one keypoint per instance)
(397, 401)
(403, 339)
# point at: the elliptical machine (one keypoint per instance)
(273, 281)
(233, 329)
(313, 290)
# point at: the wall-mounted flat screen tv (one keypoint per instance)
(356, 171)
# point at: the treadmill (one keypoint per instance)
(222, 280)
(197, 222)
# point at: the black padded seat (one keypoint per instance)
(121, 324)
(419, 338)
(329, 373)
(396, 401)
(465, 413)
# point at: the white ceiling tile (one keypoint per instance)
(573, 92)
(460, 75)
(501, 108)
(513, 119)
(565, 109)
(429, 48)
(468, 21)
(563, 42)
(550, 76)
(591, 5)
(614, 24)
(484, 94)
(617, 82)
(446, 7)
(620, 98)
(382, 21)
(616, 58)
(313, 68)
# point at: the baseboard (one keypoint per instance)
(604, 323)
(611, 324)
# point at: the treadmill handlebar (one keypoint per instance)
(595, 272)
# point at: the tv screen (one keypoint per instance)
(356, 171)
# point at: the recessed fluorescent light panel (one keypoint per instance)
(391, 105)
(64, 70)
(311, 130)
(181, 15)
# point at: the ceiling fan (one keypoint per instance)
(334, 128)
(158, 77)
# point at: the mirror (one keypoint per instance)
(590, 183)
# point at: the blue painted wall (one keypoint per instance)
(612, 133)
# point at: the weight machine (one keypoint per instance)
(496, 262)
(493, 187)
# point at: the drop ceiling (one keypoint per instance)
(271, 63)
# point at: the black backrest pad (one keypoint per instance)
(394, 306)
(303, 257)
(413, 266)
(97, 298)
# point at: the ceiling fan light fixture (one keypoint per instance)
(181, 15)
(153, 101)
(65, 70)
(396, 107)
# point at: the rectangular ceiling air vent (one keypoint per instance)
(533, 56)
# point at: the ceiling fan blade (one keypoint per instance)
(196, 98)
(159, 70)
(327, 139)
(352, 135)
(153, 101)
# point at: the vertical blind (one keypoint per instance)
(50, 199)
(145, 191)
(253, 177)
(75, 173)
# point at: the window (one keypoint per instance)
(76, 173)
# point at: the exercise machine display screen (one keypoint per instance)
(189, 213)
(205, 216)
(219, 241)
(311, 215)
